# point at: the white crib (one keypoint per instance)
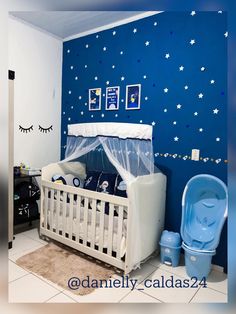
(70, 215)
(129, 232)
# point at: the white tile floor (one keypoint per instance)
(39, 290)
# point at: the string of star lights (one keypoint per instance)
(188, 157)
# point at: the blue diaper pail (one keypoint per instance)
(197, 263)
(204, 210)
(170, 244)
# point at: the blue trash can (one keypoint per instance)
(170, 244)
(197, 262)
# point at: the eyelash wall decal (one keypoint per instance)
(45, 130)
(26, 130)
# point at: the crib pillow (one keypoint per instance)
(106, 183)
(91, 181)
(120, 187)
(68, 179)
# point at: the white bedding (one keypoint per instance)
(89, 231)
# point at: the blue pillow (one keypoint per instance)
(106, 183)
(120, 188)
(91, 181)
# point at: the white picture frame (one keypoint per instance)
(112, 98)
(95, 99)
(133, 97)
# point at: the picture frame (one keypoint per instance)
(95, 99)
(133, 96)
(112, 98)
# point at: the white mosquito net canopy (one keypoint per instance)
(123, 147)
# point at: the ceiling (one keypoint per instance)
(64, 24)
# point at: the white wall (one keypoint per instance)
(36, 58)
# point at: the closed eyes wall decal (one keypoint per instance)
(45, 130)
(25, 130)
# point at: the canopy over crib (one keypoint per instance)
(128, 147)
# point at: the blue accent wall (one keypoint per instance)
(180, 60)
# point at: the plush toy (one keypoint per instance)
(57, 178)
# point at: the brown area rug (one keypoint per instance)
(59, 263)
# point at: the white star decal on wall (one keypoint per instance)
(174, 122)
(165, 110)
(113, 66)
(80, 97)
(193, 13)
(202, 69)
(69, 92)
(167, 56)
(116, 115)
(217, 139)
(122, 78)
(215, 111)
(102, 115)
(103, 95)
(135, 30)
(85, 66)
(192, 42)
(226, 34)
(64, 132)
(104, 48)
(63, 112)
(141, 121)
(181, 68)
(91, 115)
(153, 123)
(155, 23)
(69, 119)
(166, 90)
(87, 46)
(122, 100)
(147, 43)
(97, 36)
(200, 95)
(107, 82)
(196, 113)
(179, 106)
(176, 139)
(96, 78)
(121, 52)
(82, 113)
(212, 81)
(145, 76)
(71, 67)
(220, 12)
(201, 130)
(186, 87)
(76, 78)
(114, 32)
(85, 104)
(71, 107)
(68, 51)
(146, 98)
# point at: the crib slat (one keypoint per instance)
(110, 228)
(119, 231)
(51, 208)
(57, 211)
(46, 209)
(93, 224)
(78, 211)
(70, 218)
(101, 226)
(64, 214)
(85, 221)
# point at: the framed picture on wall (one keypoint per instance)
(112, 98)
(133, 96)
(95, 99)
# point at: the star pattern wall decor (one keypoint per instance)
(180, 60)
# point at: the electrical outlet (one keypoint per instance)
(195, 154)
